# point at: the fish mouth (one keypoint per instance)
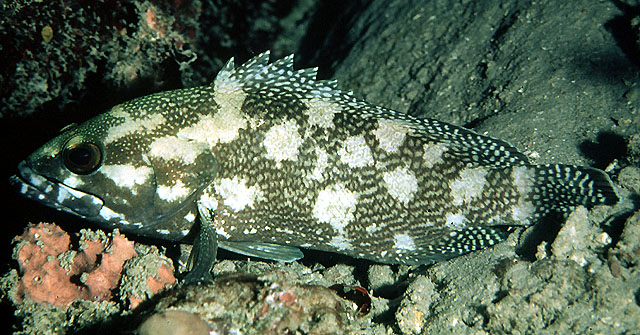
(54, 193)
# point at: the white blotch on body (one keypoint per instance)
(127, 176)
(321, 112)
(208, 201)
(401, 184)
(523, 181)
(469, 185)
(340, 242)
(522, 211)
(403, 241)
(177, 191)
(374, 227)
(282, 141)
(335, 205)
(63, 195)
(390, 134)
(108, 214)
(285, 231)
(321, 164)
(221, 127)
(171, 147)
(236, 194)
(73, 181)
(130, 126)
(355, 152)
(190, 217)
(432, 154)
(455, 220)
(220, 231)
(247, 231)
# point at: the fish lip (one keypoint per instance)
(54, 193)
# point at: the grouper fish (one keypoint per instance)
(267, 160)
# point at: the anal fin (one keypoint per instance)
(276, 252)
(458, 243)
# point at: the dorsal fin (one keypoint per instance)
(279, 79)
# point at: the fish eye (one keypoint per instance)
(82, 158)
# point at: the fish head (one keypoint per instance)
(125, 168)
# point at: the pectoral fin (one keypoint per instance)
(205, 249)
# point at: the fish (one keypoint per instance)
(267, 160)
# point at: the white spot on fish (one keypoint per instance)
(432, 154)
(171, 147)
(236, 194)
(178, 191)
(282, 141)
(455, 220)
(62, 195)
(130, 126)
(403, 241)
(523, 181)
(285, 231)
(401, 184)
(108, 214)
(320, 165)
(335, 205)
(73, 192)
(222, 127)
(220, 231)
(247, 231)
(190, 217)
(73, 181)
(372, 228)
(208, 201)
(355, 152)
(36, 180)
(321, 112)
(390, 134)
(469, 185)
(340, 242)
(127, 176)
(522, 211)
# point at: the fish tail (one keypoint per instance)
(561, 188)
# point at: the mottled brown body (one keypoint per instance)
(270, 157)
(388, 204)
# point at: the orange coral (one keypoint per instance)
(156, 281)
(49, 266)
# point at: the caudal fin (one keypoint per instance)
(563, 187)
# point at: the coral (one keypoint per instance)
(57, 51)
(51, 269)
(145, 276)
(244, 303)
(52, 48)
